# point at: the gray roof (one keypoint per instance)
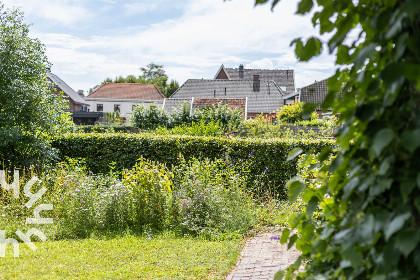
(268, 99)
(283, 78)
(66, 89)
(314, 93)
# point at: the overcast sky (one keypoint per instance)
(90, 40)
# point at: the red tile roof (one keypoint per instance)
(127, 91)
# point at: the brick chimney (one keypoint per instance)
(241, 71)
(80, 92)
(256, 83)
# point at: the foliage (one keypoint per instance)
(30, 115)
(262, 127)
(183, 115)
(370, 225)
(127, 257)
(101, 149)
(99, 128)
(195, 129)
(151, 117)
(229, 119)
(113, 118)
(291, 113)
(211, 199)
(151, 74)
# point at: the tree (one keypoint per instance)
(153, 71)
(369, 224)
(151, 74)
(29, 113)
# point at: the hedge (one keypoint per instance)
(124, 149)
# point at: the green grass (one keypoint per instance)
(129, 257)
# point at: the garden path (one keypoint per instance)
(262, 256)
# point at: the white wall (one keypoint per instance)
(125, 105)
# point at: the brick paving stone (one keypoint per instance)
(262, 257)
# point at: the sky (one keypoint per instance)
(89, 40)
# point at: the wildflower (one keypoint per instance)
(265, 171)
(275, 238)
(252, 153)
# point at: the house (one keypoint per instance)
(284, 79)
(78, 107)
(261, 97)
(123, 97)
(315, 93)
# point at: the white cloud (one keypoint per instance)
(264, 63)
(65, 12)
(207, 34)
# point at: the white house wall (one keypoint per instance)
(125, 106)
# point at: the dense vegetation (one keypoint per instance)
(29, 114)
(99, 150)
(369, 226)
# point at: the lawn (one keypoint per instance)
(129, 257)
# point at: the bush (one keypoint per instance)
(195, 129)
(211, 199)
(229, 119)
(101, 149)
(143, 117)
(291, 113)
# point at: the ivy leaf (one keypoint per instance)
(396, 224)
(304, 7)
(407, 241)
(312, 205)
(411, 140)
(284, 236)
(305, 52)
(295, 188)
(382, 139)
(292, 241)
(294, 153)
(279, 275)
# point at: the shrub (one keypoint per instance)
(195, 129)
(229, 119)
(183, 115)
(211, 199)
(291, 113)
(143, 117)
(101, 149)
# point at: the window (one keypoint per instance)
(117, 107)
(99, 107)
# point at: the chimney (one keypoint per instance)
(241, 71)
(256, 83)
(80, 92)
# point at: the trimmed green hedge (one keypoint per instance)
(258, 154)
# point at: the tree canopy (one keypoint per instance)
(368, 226)
(29, 113)
(151, 74)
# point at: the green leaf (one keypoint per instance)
(407, 241)
(312, 205)
(294, 153)
(382, 139)
(396, 224)
(304, 6)
(313, 47)
(292, 241)
(279, 275)
(284, 236)
(295, 188)
(411, 140)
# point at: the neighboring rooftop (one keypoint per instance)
(127, 91)
(263, 96)
(285, 79)
(61, 85)
(314, 93)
